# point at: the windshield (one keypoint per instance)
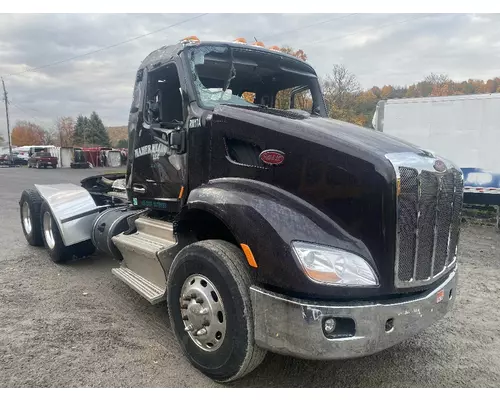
(250, 78)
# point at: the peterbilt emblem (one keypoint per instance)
(272, 157)
(439, 166)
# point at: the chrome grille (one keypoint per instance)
(426, 224)
(428, 219)
(407, 221)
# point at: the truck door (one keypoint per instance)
(159, 167)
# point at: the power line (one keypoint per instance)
(105, 48)
(29, 108)
(309, 26)
(369, 29)
(25, 112)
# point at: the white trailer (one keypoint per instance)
(463, 129)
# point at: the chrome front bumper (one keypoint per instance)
(295, 327)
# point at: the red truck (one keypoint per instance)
(42, 159)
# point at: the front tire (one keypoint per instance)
(210, 309)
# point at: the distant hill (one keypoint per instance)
(117, 133)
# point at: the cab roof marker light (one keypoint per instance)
(240, 40)
(190, 39)
(275, 48)
(258, 44)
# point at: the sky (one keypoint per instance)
(396, 49)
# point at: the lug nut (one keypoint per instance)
(186, 298)
(199, 301)
(185, 318)
(330, 325)
(194, 295)
(206, 323)
(201, 332)
(203, 311)
(184, 306)
(189, 328)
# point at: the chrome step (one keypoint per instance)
(151, 292)
(141, 243)
(140, 255)
(154, 227)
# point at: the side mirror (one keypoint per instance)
(176, 139)
(173, 138)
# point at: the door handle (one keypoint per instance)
(139, 189)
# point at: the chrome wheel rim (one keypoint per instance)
(26, 212)
(202, 312)
(47, 230)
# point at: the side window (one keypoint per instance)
(282, 99)
(302, 100)
(164, 96)
(287, 99)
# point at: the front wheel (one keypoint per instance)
(210, 309)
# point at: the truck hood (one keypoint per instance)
(338, 168)
(344, 136)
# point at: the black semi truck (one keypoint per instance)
(263, 224)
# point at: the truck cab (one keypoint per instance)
(263, 224)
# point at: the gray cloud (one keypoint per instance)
(397, 49)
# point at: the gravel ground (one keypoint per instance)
(78, 326)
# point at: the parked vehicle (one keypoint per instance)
(14, 159)
(42, 160)
(23, 155)
(264, 225)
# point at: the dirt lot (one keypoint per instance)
(76, 325)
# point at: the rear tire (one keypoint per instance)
(30, 204)
(226, 270)
(59, 253)
(52, 239)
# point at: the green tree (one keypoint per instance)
(98, 133)
(122, 144)
(79, 133)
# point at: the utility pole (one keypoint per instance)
(7, 115)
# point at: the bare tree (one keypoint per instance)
(65, 130)
(340, 87)
(50, 137)
(437, 79)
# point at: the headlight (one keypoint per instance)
(332, 266)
